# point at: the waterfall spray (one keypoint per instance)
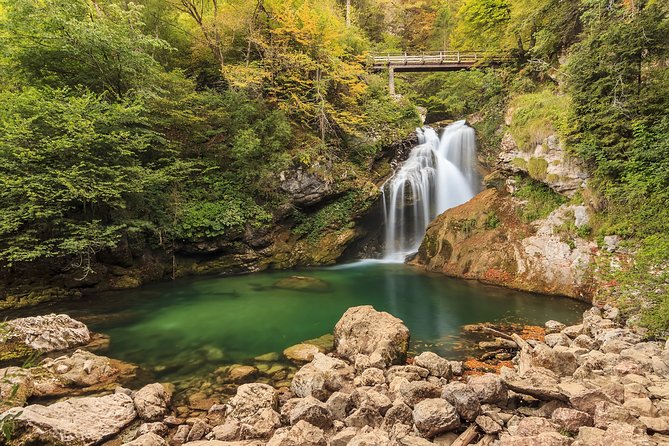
(439, 174)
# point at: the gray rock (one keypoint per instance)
(554, 339)
(571, 420)
(463, 398)
(371, 399)
(532, 426)
(48, 333)
(312, 411)
(321, 377)
(409, 372)
(83, 421)
(339, 404)
(398, 413)
(198, 430)
(152, 401)
(607, 413)
(435, 364)
(181, 434)
(489, 388)
(254, 407)
(587, 400)
(415, 391)
(363, 330)
(157, 428)
(573, 330)
(660, 424)
(364, 416)
(306, 188)
(583, 341)
(302, 434)
(488, 425)
(372, 376)
(343, 437)
(434, 416)
(554, 327)
(373, 438)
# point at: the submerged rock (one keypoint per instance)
(363, 330)
(301, 352)
(302, 283)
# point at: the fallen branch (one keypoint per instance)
(467, 436)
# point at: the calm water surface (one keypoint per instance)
(208, 322)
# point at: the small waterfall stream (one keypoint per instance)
(439, 174)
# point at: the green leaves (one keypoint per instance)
(80, 43)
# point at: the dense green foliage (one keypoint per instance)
(539, 199)
(172, 120)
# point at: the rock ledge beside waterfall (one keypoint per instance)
(596, 383)
(485, 239)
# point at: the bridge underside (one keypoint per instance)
(424, 68)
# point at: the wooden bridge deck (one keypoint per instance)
(435, 61)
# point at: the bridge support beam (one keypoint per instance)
(391, 80)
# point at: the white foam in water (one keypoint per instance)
(439, 174)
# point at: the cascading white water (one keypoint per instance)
(439, 174)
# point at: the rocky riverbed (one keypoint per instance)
(595, 383)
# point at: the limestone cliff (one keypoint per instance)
(485, 239)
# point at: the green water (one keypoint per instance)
(192, 326)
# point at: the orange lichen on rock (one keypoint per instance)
(533, 332)
(475, 367)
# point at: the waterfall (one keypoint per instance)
(439, 174)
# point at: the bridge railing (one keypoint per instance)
(437, 57)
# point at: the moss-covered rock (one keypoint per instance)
(486, 239)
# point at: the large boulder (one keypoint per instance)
(379, 335)
(512, 253)
(48, 333)
(76, 421)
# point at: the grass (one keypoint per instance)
(536, 116)
(540, 200)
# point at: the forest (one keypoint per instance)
(167, 122)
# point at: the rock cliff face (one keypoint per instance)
(548, 162)
(485, 239)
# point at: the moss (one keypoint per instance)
(519, 163)
(536, 116)
(540, 200)
(552, 178)
(538, 168)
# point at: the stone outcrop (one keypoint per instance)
(526, 256)
(378, 335)
(48, 333)
(547, 162)
(76, 421)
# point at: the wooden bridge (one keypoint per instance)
(434, 61)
